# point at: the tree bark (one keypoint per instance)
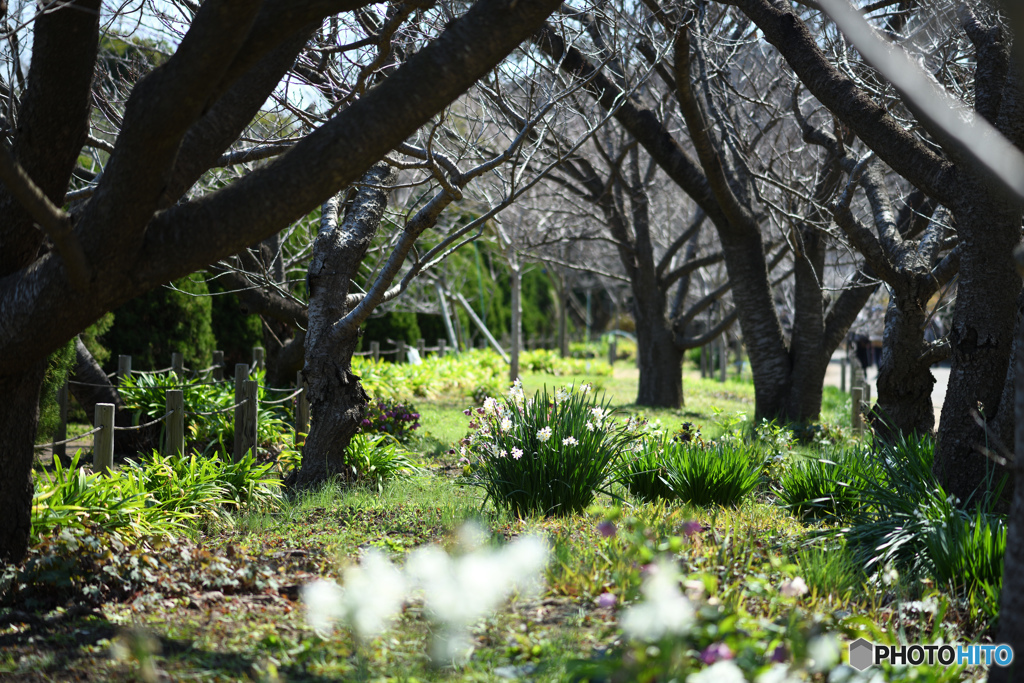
(337, 399)
(905, 381)
(981, 334)
(19, 412)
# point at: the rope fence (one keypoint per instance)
(67, 441)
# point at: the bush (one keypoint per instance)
(388, 416)
(646, 476)
(58, 365)
(378, 460)
(159, 496)
(150, 327)
(549, 455)
(907, 521)
(551, 363)
(718, 474)
(823, 488)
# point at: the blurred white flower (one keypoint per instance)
(591, 426)
(544, 434)
(779, 673)
(491, 406)
(561, 395)
(569, 441)
(517, 453)
(598, 413)
(663, 610)
(506, 424)
(724, 671)
(585, 389)
(372, 595)
(823, 651)
(890, 575)
(459, 591)
(793, 588)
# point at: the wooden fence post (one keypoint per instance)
(218, 366)
(723, 359)
(246, 427)
(241, 375)
(704, 362)
(178, 364)
(124, 369)
(442, 348)
(842, 374)
(61, 432)
(421, 347)
(855, 419)
(400, 355)
(613, 352)
(375, 350)
(175, 432)
(258, 357)
(301, 411)
(103, 441)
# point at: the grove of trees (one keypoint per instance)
(655, 143)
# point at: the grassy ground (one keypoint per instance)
(199, 625)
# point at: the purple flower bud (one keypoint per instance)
(366, 423)
(780, 654)
(606, 600)
(692, 527)
(606, 528)
(714, 652)
(467, 412)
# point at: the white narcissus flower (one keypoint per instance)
(517, 453)
(544, 434)
(506, 424)
(569, 441)
(585, 389)
(591, 426)
(561, 395)
(793, 588)
(490, 406)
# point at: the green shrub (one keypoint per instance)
(646, 476)
(907, 521)
(58, 365)
(159, 496)
(547, 455)
(150, 327)
(393, 325)
(826, 487)
(378, 459)
(720, 474)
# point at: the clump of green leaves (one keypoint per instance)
(160, 496)
(548, 455)
(378, 459)
(828, 487)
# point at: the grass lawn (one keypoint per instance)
(221, 603)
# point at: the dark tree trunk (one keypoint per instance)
(337, 399)
(19, 413)
(661, 361)
(905, 381)
(981, 335)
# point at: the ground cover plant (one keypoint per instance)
(633, 587)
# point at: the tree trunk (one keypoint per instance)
(1011, 601)
(904, 403)
(337, 400)
(19, 414)
(661, 361)
(981, 335)
(517, 318)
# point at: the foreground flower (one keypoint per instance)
(371, 597)
(606, 528)
(793, 588)
(569, 441)
(715, 652)
(724, 671)
(606, 600)
(517, 453)
(506, 424)
(664, 609)
(544, 434)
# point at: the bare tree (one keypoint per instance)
(134, 233)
